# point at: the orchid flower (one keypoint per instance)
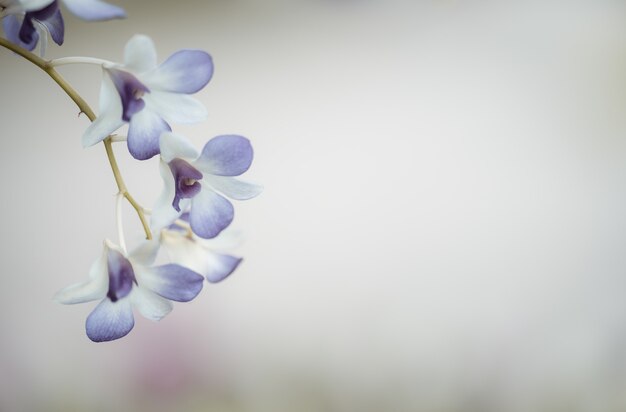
(26, 22)
(201, 255)
(194, 182)
(123, 282)
(149, 97)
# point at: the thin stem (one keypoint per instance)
(122, 187)
(69, 90)
(79, 60)
(84, 108)
(120, 224)
(24, 53)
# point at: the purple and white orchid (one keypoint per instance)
(122, 282)
(204, 256)
(26, 22)
(149, 97)
(194, 182)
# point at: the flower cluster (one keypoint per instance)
(188, 218)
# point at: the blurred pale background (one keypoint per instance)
(443, 226)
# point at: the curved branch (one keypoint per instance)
(84, 108)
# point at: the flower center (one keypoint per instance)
(186, 181)
(121, 275)
(131, 91)
(28, 32)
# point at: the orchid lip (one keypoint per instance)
(121, 276)
(27, 31)
(186, 178)
(131, 92)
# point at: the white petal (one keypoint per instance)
(149, 304)
(94, 10)
(109, 97)
(145, 253)
(140, 54)
(183, 251)
(175, 146)
(234, 188)
(175, 107)
(176, 241)
(194, 254)
(110, 245)
(95, 288)
(43, 37)
(32, 5)
(229, 239)
(103, 126)
(163, 213)
(110, 118)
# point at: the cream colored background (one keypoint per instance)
(443, 225)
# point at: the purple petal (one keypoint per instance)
(221, 266)
(186, 181)
(121, 275)
(55, 26)
(186, 71)
(176, 283)
(44, 13)
(110, 321)
(28, 34)
(143, 134)
(12, 26)
(226, 155)
(15, 30)
(130, 90)
(94, 10)
(210, 213)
